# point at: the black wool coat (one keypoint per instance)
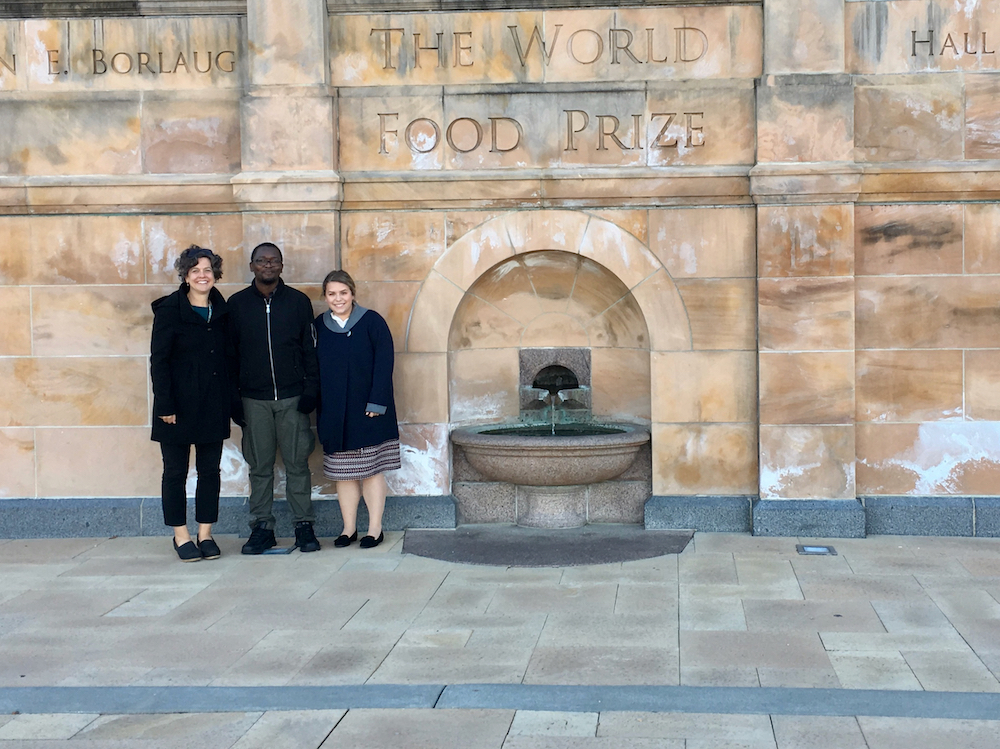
(355, 376)
(190, 369)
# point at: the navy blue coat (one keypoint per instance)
(190, 370)
(355, 376)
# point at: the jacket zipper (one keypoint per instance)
(270, 352)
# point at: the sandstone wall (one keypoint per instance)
(796, 202)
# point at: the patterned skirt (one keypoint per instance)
(363, 463)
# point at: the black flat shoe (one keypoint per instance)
(188, 552)
(369, 542)
(342, 540)
(209, 549)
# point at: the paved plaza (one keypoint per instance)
(737, 642)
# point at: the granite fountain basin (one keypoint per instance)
(552, 465)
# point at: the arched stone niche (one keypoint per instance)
(542, 300)
(597, 286)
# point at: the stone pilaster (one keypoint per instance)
(804, 186)
(288, 148)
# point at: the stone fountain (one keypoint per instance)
(556, 451)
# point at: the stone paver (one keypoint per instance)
(552, 723)
(293, 729)
(737, 730)
(421, 729)
(817, 732)
(903, 733)
(45, 726)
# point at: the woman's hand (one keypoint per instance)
(172, 419)
(370, 414)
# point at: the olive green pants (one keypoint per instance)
(273, 426)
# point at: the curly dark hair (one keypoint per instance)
(190, 257)
(340, 276)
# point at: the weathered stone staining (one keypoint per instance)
(772, 226)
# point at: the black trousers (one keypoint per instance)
(207, 459)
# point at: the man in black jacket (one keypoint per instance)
(275, 345)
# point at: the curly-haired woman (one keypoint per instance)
(191, 397)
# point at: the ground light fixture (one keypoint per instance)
(811, 550)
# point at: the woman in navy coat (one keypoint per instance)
(191, 403)
(356, 419)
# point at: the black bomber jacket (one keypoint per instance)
(274, 343)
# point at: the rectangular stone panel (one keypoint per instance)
(818, 109)
(391, 133)
(807, 388)
(928, 312)
(17, 456)
(86, 249)
(308, 243)
(694, 124)
(808, 240)
(194, 136)
(62, 137)
(15, 250)
(552, 46)
(93, 320)
(288, 133)
(483, 385)
(165, 237)
(421, 388)
(714, 242)
(938, 457)
(907, 240)
(620, 384)
(807, 462)
(714, 459)
(804, 314)
(914, 122)
(130, 54)
(73, 391)
(13, 63)
(982, 117)
(679, 125)
(391, 299)
(722, 313)
(982, 385)
(111, 461)
(289, 48)
(391, 246)
(704, 386)
(15, 311)
(982, 227)
(804, 37)
(905, 36)
(909, 385)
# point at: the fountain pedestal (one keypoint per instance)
(552, 506)
(552, 472)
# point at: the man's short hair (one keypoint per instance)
(266, 246)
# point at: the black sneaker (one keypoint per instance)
(305, 538)
(261, 539)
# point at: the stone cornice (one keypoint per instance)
(120, 8)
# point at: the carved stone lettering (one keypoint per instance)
(953, 44)
(141, 63)
(598, 131)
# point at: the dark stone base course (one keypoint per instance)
(142, 516)
(826, 518)
(709, 514)
(987, 516)
(920, 516)
(906, 516)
